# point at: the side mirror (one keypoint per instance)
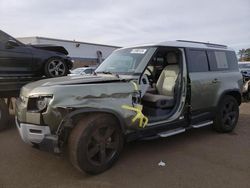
(11, 44)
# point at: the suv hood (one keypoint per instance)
(71, 80)
(51, 84)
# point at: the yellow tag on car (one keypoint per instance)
(143, 120)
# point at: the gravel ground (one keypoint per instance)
(197, 158)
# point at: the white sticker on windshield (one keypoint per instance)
(138, 51)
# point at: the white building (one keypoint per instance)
(82, 52)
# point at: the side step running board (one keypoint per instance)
(171, 132)
(178, 130)
(202, 124)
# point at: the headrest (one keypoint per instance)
(172, 58)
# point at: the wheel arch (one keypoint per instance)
(234, 93)
(76, 115)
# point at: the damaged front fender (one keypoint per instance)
(90, 98)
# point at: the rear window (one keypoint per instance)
(197, 60)
(222, 60)
(232, 60)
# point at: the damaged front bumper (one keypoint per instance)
(38, 135)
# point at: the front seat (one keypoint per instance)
(164, 95)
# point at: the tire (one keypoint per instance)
(4, 115)
(227, 115)
(95, 143)
(55, 67)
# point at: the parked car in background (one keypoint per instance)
(245, 68)
(245, 71)
(141, 92)
(82, 71)
(18, 59)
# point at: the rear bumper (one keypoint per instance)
(40, 135)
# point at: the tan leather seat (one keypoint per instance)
(164, 97)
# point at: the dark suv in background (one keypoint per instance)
(18, 59)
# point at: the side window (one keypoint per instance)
(197, 60)
(222, 60)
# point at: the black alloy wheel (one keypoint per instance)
(227, 114)
(95, 143)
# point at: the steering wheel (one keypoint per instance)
(150, 77)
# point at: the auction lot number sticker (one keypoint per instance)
(138, 51)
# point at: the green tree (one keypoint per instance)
(247, 55)
(244, 54)
(241, 53)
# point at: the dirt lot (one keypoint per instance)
(197, 158)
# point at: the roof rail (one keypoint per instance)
(206, 43)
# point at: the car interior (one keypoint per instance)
(163, 73)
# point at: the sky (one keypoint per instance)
(126, 22)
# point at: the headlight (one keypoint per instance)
(38, 104)
(42, 103)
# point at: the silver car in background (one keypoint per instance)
(82, 71)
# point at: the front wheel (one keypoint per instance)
(95, 143)
(55, 67)
(227, 114)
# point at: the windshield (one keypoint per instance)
(124, 61)
(244, 66)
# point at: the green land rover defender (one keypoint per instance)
(141, 92)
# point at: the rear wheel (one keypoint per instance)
(4, 114)
(55, 67)
(95, 143)
(227, 114)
